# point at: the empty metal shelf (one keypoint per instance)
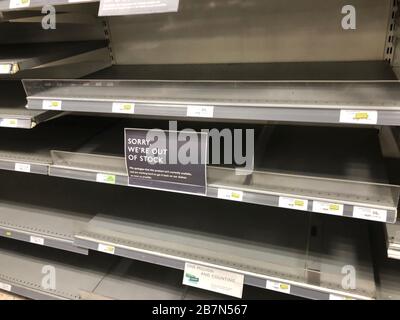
(51, 220)
(345, 173)
(15, 58)
(167, 234)
(315, 102)
(13, 113)
(29, 151)
(22, 269)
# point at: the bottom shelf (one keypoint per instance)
(45, 273)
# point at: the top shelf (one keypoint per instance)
(343, 102)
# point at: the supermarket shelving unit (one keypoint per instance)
(304, 91)
(13, 113)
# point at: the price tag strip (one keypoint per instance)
(212, 279)
(16, 4)
(200, 111)
(22, 167)
(293, 203)
(36, 240)
(358, 116)
(338, 297)
(328, 208)
(9, 123)
(52, 105)
(106, 178)
(106, 248)
(278, 286)
(370, 214)
(6, 68)
(5, 287)
(227, 194)
(123, 107)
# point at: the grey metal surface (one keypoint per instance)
(20, 57)
(232, 100)
(252, 31)
(34, 146)
(348, 243)
(72, 67)
(32, 32)
(393, 240)
(13, 112)
(330, 167)
(21, 266)
(26, 213)
(387, 273)
(170, 237)
(132, 280)
(283, 71)
(135, 280)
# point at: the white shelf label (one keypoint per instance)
(9, 123)
(328, 208)
(52, 105)
(233, 195)
(359, 116)
(106, 248)
(5, 287)
(370, 214)
(127, 7)
(200, 111)
(22, 167)
(278, 286)
(293, 203)
(338, 297)
(123, 107)
(15, 4)
(212, 279)
(37, 240)
(5, 68)
(105, 178)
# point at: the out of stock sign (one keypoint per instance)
(167, 160)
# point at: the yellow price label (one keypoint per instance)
(361, 116)
(299, 203)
